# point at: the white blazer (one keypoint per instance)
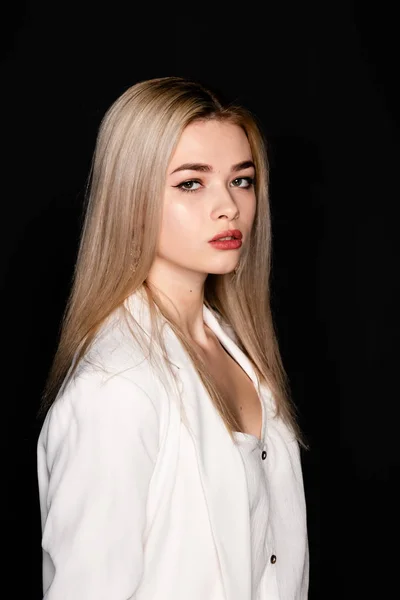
(136, 506)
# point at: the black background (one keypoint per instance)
(322, 78)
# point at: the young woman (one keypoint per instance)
(168, 461)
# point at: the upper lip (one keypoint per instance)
(236, 233)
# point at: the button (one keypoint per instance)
(273, 559)
(264, 454)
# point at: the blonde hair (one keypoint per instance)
(135, 143)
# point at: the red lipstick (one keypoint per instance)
(235, 233)
(233, 243)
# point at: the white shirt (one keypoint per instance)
(254, 453)
(139, 504)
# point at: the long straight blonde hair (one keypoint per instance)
(135, 143)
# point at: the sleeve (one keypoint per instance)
(102, 444)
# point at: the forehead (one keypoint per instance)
(212, 142)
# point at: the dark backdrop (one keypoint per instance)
(322, 79)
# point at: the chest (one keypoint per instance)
(237, 388)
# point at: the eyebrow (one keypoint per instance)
(246, 164)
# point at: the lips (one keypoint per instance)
(235, 233)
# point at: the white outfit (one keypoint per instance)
(137, 506)
(254, 453)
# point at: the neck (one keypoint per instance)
(181, 294)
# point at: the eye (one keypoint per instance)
(188, 186)
(243, 182)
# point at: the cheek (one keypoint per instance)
(253, 212)
(178, 226)
(248, 209)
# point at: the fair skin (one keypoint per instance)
(222, 197)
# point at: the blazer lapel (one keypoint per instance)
(219, 460)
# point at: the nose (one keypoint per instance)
(225, 207)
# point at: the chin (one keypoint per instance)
(221, 271)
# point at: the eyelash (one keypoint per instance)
(250, 181)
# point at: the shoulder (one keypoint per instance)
(94, 406)
(114, 381)
(122, 350)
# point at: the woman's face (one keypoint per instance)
(209, 189)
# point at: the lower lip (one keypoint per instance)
(226, 244)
